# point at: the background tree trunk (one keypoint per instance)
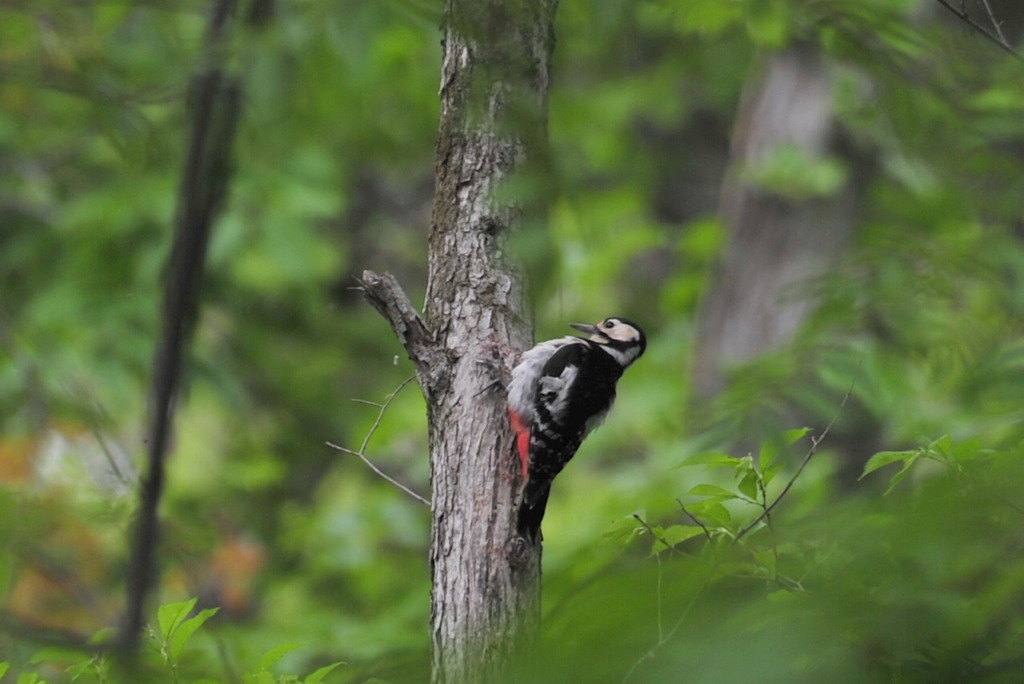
(776, 243)
(216, 97)
(485, 582)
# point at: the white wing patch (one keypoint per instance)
(522, 389)
(554, 392)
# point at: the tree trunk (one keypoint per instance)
(485, 580)
(759, 294)
(204, 184)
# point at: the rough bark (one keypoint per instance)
(759, 296)
(485, 581)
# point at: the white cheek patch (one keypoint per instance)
(624, 333)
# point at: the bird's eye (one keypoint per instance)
(609, 324)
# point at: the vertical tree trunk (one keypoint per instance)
(216, 98)
(485, 581)
(757, 298)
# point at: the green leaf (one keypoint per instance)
(711, 490)
(791, 437)
(943, 446)
(794, 173)
(3, 669)
(898, 477)
(275, 654)
(770, 448)
(186, 629)
(318, 676)
(106, 635)
(675, 534)
(261, 677)
(713, 511)
(715, 458)
(170, 615)
(884, 458)
(82, 667)
(748, 485)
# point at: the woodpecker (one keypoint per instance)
(560, 391)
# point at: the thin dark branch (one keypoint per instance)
(383, 407)
(654, 534)
(214, 104)
(996, 38)
(380, 414)
(694, 518)
(815, 443)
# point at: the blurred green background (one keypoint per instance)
(915, 310)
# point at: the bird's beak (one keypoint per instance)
(591, 330)
(583, 327)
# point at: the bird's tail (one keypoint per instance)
(531, 512)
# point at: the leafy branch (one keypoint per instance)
(752, 489)
(815, 443)
(657, 534)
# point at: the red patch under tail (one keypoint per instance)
(522, 440)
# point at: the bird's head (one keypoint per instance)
(620, 337)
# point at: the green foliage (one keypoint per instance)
(912, 587)
(910, 573)
(177, 624)
(176, 628)
(941, 450)
(789, 172)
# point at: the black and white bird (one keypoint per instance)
(560, 391)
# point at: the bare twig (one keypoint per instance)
(996, 38)
(366, 440)
(379, 472)
(665, 638)
(997, 25)
(815, 443)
